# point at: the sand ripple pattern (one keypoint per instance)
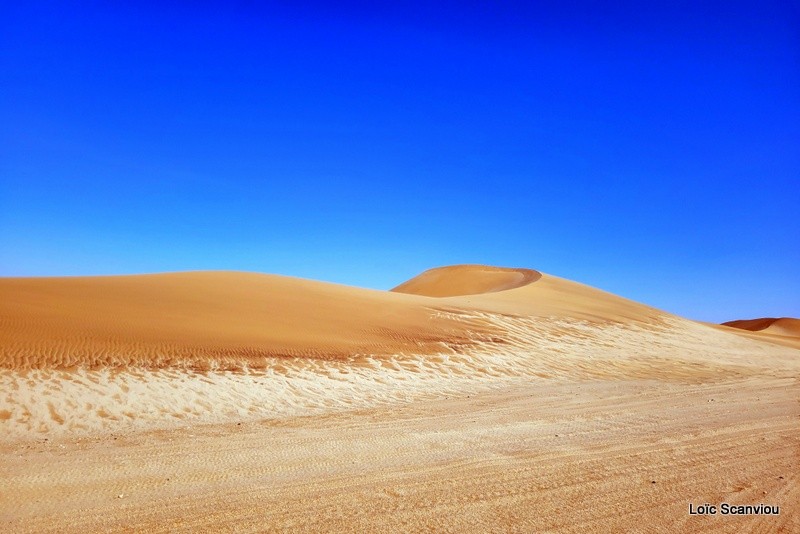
(504, 350)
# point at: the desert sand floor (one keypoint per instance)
(468, 399)
(597, 456)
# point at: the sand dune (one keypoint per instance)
(525, 292)
(107, 353)
(784, 326)
(206, 319)
(157, 359)
(784, 331)
(230, 320)
(459, 280)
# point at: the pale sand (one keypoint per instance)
(478, 399)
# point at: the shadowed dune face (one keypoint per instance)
(459, 280)
(784, 326)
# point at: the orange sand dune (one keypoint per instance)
(784, 331)
(467, 280)
(525, 292)
(784, 326)
(206, 318)
(234, 320)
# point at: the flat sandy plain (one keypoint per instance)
(468, 399)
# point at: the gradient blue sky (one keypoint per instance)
(652, 150)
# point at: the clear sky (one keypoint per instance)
(652, 150)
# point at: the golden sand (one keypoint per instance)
(469, 398)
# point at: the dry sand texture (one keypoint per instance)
(470, 398)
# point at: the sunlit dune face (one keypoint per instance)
(462, 280)
(207, 319)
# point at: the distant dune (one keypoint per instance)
(784, 326)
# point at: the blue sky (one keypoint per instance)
(647, 149)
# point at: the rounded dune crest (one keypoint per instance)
(459, 280)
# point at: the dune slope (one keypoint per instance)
(525, 292)
(232, 320)
(784, 326)
(206, 319)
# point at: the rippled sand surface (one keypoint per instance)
(470, 398)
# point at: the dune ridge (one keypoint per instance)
(460, 280)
